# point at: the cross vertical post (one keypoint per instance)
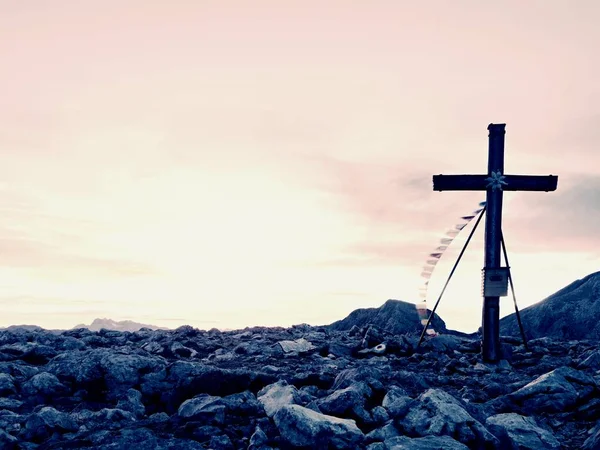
(493, 229)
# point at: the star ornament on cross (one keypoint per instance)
(496, 181)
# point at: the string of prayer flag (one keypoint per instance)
(434, 258)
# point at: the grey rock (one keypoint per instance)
(7, 385)
(437, 413)
(221, 442)
(396, 402)
(103, 368)
(178, 349)
(376, 446)
(302, 427)
(258, 440)
(205, 407)
(142, 438)
(205, 432)
(424, 443)
(160, 417)
(29, 352)
(379, 415)
(18, 370)
(132, 402)
(44, 384)
(7, 441)
(591, 362)
(383, 433)
(442, 343)
(277, 395)
(371, 376)
(242, 404)
(45, 422)
(348, 403)
(11, 422)
(153, 347)
(517, 432)
(104, 419)
(298, 346)
(593, 441)
(10, 404)
(555, 391)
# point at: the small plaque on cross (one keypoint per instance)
(495, 282)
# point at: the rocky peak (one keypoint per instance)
(570, 313)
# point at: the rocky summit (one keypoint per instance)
(301, 387)
(394, 316)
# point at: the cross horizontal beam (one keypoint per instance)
(480, 183)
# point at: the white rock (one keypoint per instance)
(277, 395)
(297, 346)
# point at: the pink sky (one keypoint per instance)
(229, 163)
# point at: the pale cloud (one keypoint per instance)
(263, 157)
(564, 220)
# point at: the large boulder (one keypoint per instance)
(182, 380)
(348, 403)
(518, 432)
(304, 428)
(555, 391)
(46, 422)
(42, 386)
(437, 413)
(103, 372)
(277, 395)
(394, 316)
(206, 408)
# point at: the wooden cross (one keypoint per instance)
(494, 183)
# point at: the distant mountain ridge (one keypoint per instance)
(117, 325)
(394, 316)
(571, 313)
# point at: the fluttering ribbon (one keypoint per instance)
(433, 259)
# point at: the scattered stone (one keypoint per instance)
(298, 346)
(277, 395)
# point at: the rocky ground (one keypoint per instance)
(302, 387)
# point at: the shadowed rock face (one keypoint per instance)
(297, 388)
(571, 313)
(394, 316)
